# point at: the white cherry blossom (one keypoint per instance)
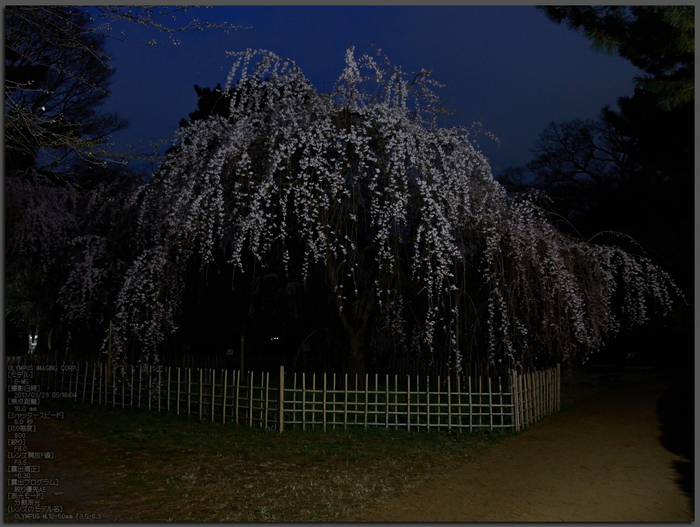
(369, 191)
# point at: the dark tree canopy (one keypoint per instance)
(210, 102)
(67, 196)
(628, 177)
(631, 171)
(57, 77)
(659, 40)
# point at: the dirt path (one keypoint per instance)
(601, 460)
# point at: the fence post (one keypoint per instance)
(408, 402)
(366, 398)
(281, 399)
(449, 404)
(545, 392)
(99, 388)
(70, 379)
(313, 400)
(85, 378)
(92, 386)
(250, 403)
(519, 392)
(558, 386)
(524, 384)
(533, 391)
(324, 401)
(213, 390)
(177, 401)
(237, 394)
(345, 406)
(357, 397)
(335, 400)
(427, 402)
(530, 394)
(386, 389)
(77, 382)
(514, 400)
(189, 390)
(524, 405)
(267, 396)
(55, 380)
(535, 395)
(458, 378)
(303, 401)
(490, 407)
(201, 388)
(223, 400)
(140, 395)
(469, 387)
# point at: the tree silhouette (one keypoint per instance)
(210, 102)
(660, 40)
(66, 250)
(631, 171)
(66, 201)
(628, 177)
(57, 76)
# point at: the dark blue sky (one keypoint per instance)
(508, 66)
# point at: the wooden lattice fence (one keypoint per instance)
(320, 401)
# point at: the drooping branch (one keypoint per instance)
(390, 209)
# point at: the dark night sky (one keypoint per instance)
(508, 66)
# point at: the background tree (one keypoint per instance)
(65, 192)
(210, 102)
(632, 170)
(65, 250)
(659, 40)
(400, 220)
(57, 76)
(99, 253)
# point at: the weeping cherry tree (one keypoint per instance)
(401, 219)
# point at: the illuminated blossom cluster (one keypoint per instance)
(365, 186)
(554, 295)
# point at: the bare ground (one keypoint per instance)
(600, 460)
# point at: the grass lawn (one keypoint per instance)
(158, 467)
